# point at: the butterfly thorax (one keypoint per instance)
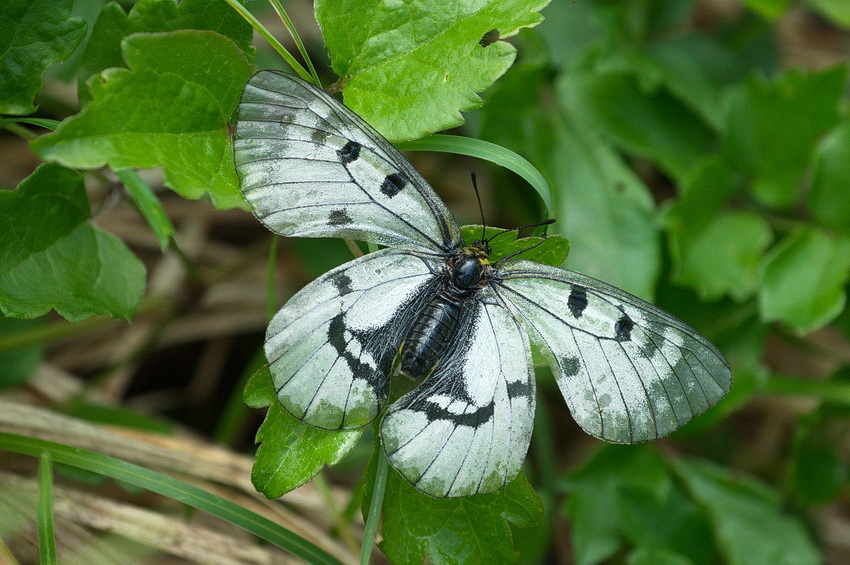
(467, 270)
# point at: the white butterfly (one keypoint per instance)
(310, 167)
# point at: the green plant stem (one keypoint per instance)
(276, 45)
(284, 17)
(375, 505)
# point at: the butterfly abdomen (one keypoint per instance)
(427, 340)
(467, 271)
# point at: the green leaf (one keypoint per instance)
(829, 199)
(644, 119)
(18, 364)
(626, 493)
(694, 68)
(410, 69)
(600, 204)
(149, 206)
(259, 390)
(819, 473)
(553, 251)
(291, 452)
(656, 556)
(52, 257)
(803, 279)
(606, 210)
(771, 129)
(473, 529)
(770, 9)
(103, 49)
(715, 251)
(747, 517)
(33, 35)
(838, 11)
(164, 111)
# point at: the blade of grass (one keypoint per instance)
(290, 27)
(172, 488)
(481, 149)
(46, 530)
(149, 206)
(276, 45)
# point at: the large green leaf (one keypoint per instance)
(163, 111)
(829, 198)
(626, 495)
(601, 205)
(747, 517)
(103, 49)
(410, 68)
(607, 94)
(472, 529)
(52, 257)
(33, 35)
(290, 452)
(714, 250)
(803, 279)
(771, 129)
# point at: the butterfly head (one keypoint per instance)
(469, 268)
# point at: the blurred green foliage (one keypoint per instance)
(687, 163)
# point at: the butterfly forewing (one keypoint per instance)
(311, 167)
(466, 429)
(629, 371)
(330, 348)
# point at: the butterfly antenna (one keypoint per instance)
(480, 207)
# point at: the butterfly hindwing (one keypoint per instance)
(310, 167)
(467, 427)
(330, 348)
(629, 371)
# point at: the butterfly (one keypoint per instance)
(438, 310)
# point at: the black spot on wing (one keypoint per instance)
(623, 328)
(339, 218)
(569, 366)
(342, 282)
(517, 389)
(393, 184)
(349, 152)
(577, 301)
(473, 419)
